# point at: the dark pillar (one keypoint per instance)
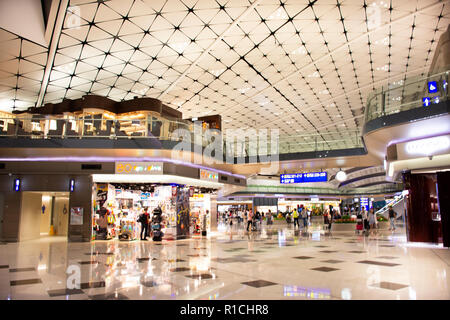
(182, 205)
(81, 197)
(443, 186)
(422, 191)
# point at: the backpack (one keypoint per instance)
(142, 218)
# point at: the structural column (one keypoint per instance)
(80, 200)
(419, 225)
(443, 186)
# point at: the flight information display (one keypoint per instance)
(304, 177)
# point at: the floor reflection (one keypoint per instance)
(275, 262)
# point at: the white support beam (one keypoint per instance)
(63, 5)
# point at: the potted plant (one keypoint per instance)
(382, 222)
(345, 223)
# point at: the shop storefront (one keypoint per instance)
(200, 211)
(315, 207)
(123, 203)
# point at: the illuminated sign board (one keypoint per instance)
(303, 177)
(426, 101)
(139, 168)
(432, 87)
(209, 175)
(428, 146)
(364, 202)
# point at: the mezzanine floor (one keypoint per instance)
(275, 263)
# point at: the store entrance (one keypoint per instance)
(118, 210)
(44, 214)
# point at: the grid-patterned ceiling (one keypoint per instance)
(300, 66)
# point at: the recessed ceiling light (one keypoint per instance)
(278, 14)
(383, 68)
(179, 47)
(300, 50)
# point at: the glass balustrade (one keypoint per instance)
(100, 127)
(407, 94)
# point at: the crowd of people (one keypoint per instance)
(252, 220)
(301, 218)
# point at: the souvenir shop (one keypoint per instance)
(122, 204)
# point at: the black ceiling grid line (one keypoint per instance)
(216, 77)
(263, 77)
(328, 49)
(258, 72)
(191, 10)
(314, 111)
(124, 18)
(17, 74)
(22, 56)
(83, 43)
(272, 33)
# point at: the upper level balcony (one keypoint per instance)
(407, 100)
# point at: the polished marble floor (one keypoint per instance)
(276, 262)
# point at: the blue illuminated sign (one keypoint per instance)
(304, 177)
(426, 101)
(436, 100)
(364, 202)
(432, 87)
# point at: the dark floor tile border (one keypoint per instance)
(259, 283)
(22, 269)
(377, 263)
(88, 262)
(90, 285)
(24, 282)
(202, 276)
(64, 292)
(109, 296)
(325, 269)
(4, 267)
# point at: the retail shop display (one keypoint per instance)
(122, 208)
(200, 206)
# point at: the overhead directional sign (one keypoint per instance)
(303, 177)
(432, 87)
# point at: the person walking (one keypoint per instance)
(330, 218)
(304, 217)
(295, 215)
(392, 216)
(269, 217)
(365, 220)
(250, 219)
(372, 221)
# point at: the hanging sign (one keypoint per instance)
(139, 168)
(209, 175)
(303, 177)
